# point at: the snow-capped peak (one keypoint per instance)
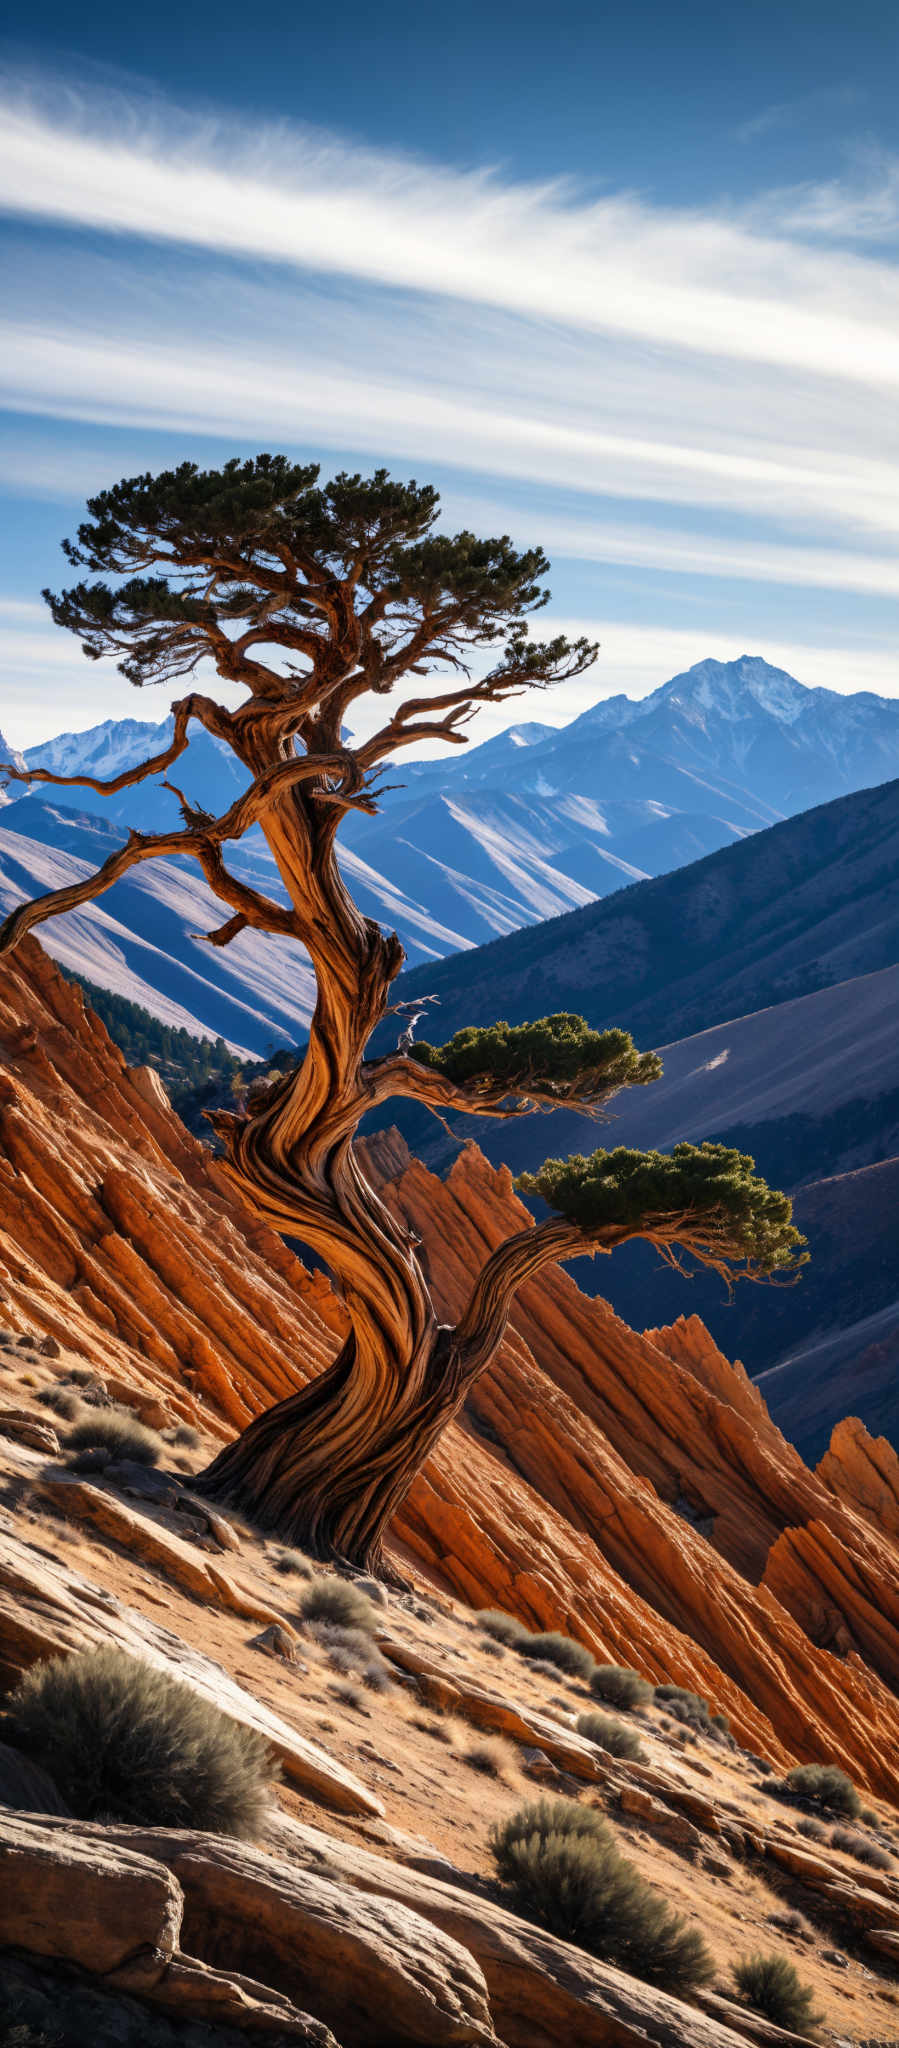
(723, 687)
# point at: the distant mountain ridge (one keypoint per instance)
(811, 902)
(533, 824)
(540, 819)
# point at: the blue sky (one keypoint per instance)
(621, 281)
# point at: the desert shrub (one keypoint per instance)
(771, 1985)
(611, 1735)
(791, 1921)
(561, 1651)
(869, 1817)
(185, 1436)
(340, 1602)
(125, 1741)
(376, 1675)
(350, 1696)
(440, 1731)
(116, 1431)
(861, 1848)
(352, 1651)
(687, 1707)
(18, 2034)
(811, 1828)
(62, 1400)
(824, 1784)
(504, 1628)
(619, 1686)
(293, 1561)
(490, 1757)
(563, 1866)
(84, 1376)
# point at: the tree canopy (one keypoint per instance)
(554, 1059)
(706, 1198)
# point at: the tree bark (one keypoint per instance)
(329, 1467)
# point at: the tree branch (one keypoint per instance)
(209, 714)
(402, 1074)
(255, 909)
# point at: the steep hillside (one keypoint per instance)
(629, 1489)
(802, 906)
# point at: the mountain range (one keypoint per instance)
(532, 824)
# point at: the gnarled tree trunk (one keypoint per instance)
(331, 1465)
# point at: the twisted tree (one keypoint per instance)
(309, 597)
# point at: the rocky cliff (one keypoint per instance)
(630, 1489)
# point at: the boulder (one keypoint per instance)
(86, 1899)
(376, 1972)
(77, 1896)
(26, 1428)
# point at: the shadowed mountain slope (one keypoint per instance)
(798, 907)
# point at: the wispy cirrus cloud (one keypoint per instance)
(692, 397)
(615, 265)
(861, 206)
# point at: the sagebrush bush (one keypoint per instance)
(63, 1401)
(685, 1706)
(490, 1756)
(185, 1436)
(619, 1686)
(340, 1602)
(611, 1735)
(791, 1921)
(565, 1870)
(861, 1847)
(562, 1651)
(293, 1561)
(116, 1431)
(825, 1784)
(772, 1986)
(127, 1742)
(811, 1828)
(504, 1628)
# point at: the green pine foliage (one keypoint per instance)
(197, 1071)
(557, 1055)
(706, 1198)
(564, 1869)
(376, 529)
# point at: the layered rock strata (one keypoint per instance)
(630, 1489)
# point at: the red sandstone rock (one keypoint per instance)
(570, 1492)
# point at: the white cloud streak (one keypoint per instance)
(609, 352)
(612, 265)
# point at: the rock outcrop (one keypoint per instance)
(630, 1489)
(383, 1953)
